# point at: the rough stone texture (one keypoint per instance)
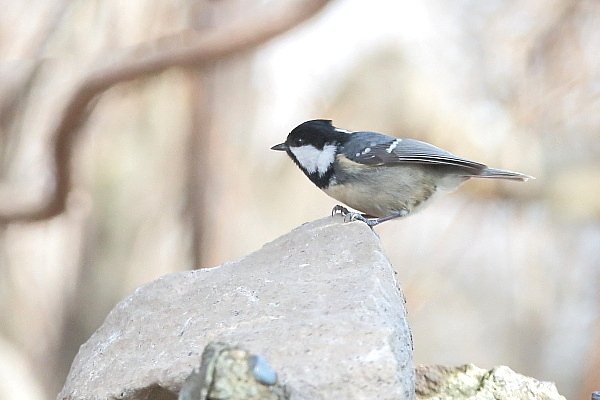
(469, 382)
(321, 304)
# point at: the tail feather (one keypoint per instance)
(493, 173)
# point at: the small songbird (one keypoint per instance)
(382, 176)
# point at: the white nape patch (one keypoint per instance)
(393, 145)
(342, 130)
(315, 160)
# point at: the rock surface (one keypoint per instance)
(469, 382)
(321, 304)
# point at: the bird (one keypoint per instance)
(383, 177)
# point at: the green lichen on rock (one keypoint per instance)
(225, 373)
(469, 382)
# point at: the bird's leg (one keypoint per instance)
(398, 214)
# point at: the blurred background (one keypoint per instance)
(173, 171)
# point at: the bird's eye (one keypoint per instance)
(298, 142)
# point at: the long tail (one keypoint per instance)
(493, 173)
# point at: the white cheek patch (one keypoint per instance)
(313, 159)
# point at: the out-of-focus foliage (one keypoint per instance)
(498, 273)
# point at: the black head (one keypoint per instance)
(317, 133)
(313, 146)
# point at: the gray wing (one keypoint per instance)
(384, 150)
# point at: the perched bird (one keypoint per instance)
(382, 176)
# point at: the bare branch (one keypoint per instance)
(214, 45)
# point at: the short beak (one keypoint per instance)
(280, 147)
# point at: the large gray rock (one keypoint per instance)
(321, 304)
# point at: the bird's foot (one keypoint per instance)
(353, 216)
(367, 219)
(341, 209)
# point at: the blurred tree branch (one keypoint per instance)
(208, 47)
(9, 103)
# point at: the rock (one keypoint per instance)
(469, 382)
(321, 304)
